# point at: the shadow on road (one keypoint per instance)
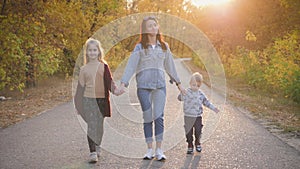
(191, 161)
(147, 164)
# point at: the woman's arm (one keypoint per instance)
(181, 89)
(131, 66)
(170, 67)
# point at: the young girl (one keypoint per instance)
(149, 59)
(92, 95)
(193, 110)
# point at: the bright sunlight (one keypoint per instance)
(201, 3)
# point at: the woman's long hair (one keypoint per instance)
(98, 44)
(144, 35)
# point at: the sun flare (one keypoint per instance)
(201, 3)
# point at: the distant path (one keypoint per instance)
(55, 139)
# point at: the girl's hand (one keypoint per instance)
(181, 89)
(116, 91)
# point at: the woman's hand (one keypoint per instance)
(122, 88)
(119, 90)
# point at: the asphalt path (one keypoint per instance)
(56, 138)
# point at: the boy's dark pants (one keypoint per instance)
(193, 125)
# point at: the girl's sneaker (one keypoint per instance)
(98, 149)
(93, 157)
(159, 154)
(149, 154)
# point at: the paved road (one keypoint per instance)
(56, 139)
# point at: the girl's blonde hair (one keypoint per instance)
(98, 44)
(197, 77)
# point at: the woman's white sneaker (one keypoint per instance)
(149, 154)
(159, 154)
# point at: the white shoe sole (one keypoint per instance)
(93, 160)
(162, 158)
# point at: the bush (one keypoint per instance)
(276, 68)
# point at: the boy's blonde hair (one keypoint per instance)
(197, 77)
(98, 44)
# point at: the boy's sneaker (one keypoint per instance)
(98, 149)
(198, 147)
(190, 149)
(93, 157)
(149, 154)
(159, 154)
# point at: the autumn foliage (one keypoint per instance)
(257, 40)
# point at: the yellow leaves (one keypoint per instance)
(250, 36)
(3, 16)
(236, 67)
(253, 58)
(42, 18)
(276, 68)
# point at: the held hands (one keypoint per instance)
(122, 88)
(119, 90)
(181, 89)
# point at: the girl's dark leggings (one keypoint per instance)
(92, 144)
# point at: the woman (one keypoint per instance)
(149, 60)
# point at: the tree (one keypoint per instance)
(41, 38)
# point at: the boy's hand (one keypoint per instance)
(216, 110)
